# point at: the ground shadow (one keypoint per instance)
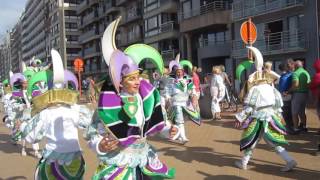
(208, 156)
(218, 177)
(7, 146)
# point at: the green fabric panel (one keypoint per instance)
(190, 86)
(110, 116)
(74, 171)
(155, 176)
(275, 137)
(102, 170)
(278, 122)
(150, 102)
(251, 130)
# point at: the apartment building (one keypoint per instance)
(131, 24)
(161, 28)
(95, 15)
(5, 54)
(286, 29)
(62, 29)
(206, 32)
(33, 35)
(15, 47)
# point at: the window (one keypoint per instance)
(186, 8)
(152, 23)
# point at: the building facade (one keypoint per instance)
(33, 35)
(5, 58)
(285, 28)
(15, 47)
(206, 33)
(62, 29)
(95, 15)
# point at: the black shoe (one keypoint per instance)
(303, 128)
(293, 131)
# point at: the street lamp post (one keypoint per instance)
(63, 30)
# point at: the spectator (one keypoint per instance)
(225, 76)
(217, 92)
(268, 68)
(284, 85)
(315, 89)
(299, 90)
(200, 74)
(196, 82)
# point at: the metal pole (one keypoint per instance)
(80, 89)
(63, 27)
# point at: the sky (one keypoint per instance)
(10, 11)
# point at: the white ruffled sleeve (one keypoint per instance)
(34, 129)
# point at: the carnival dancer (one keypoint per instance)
(261, 116)
(18, 108)
(129, 111)
(181, 97)
(57, 117)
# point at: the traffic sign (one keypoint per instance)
(248, 32)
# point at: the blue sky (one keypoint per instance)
(10, 11)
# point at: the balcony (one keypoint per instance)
(166, 30)
(243, 10)
(83, 6)
(275, 43)
(207, 48)
(109, 9)
(89, 35)
(91, 17)
(169, 6)
(134, 38)
(168, 55)
(121, 2)
(217, 12)
(90, 52)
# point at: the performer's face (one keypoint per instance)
(179, 73)
(131, 84)
(24, 85)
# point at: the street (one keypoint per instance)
(210, 154)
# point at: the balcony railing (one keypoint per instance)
(87, 35)
(204, 9)
(274, 43)
(165, 27)
(156, 5)
(169, 54)
(207, 42)
(243, 9)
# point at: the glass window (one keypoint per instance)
(186, 8)
(152, 23)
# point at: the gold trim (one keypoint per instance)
(131, 74)
(53, 97)
(7, 90)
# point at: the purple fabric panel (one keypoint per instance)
(155, 129)
(162, 170)
(109, 99)
(145, 88)
(55, 171)
(17, 93)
